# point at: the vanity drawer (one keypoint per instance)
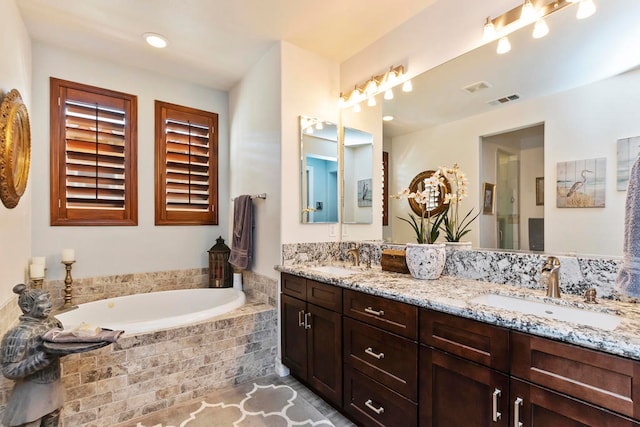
(385, 357)
(324, 295)
(370, 403)
(602, 379)
(479, 342)
(393, 316)
(294, 286)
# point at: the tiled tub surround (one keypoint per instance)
(144, 373)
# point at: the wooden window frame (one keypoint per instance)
(163, 215)
(61, 211)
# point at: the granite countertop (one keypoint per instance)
(454, 295)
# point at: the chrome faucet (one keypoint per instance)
(550, 276)
(355, 253)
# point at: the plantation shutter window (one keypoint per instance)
(93, 156)
(186, 165)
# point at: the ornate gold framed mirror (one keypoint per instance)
(417, 184)
(15, 148)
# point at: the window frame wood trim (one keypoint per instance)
(60, 214)
(178, 217)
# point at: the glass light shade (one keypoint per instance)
(504, 45)
(528, 13)
(355, 96)
(357, 108)
(586, 9)
(371, 87)
(388, 94)
(541, 29)
(407, 86)
(489, 32)
(371, 102)
(319, 125)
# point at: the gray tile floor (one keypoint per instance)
(176, 415)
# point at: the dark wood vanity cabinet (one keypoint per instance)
(464, 367)
(476, 374)
(312, 334)
(572, 383)
(381, 360)
(387, 363)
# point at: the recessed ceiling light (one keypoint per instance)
(155, 40)
(387, 118)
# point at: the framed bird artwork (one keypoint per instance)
(581, 183)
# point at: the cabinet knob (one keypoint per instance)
(370, 310)
(516, 412)
(496, 414)
(370, 352)
(369, 404)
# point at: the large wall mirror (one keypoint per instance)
(567, 98)
(358, 173)
(319, 171)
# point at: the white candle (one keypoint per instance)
(68, 255)
(36, 271)
(39, 260)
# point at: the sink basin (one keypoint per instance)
(568, 314)
(334, 270)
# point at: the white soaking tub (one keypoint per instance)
(155, 310)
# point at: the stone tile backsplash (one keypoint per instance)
(577, 273)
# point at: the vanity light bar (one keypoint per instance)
(530, 11)
(382, 83)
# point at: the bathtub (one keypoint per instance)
(155, 310)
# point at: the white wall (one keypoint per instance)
(583, 123)
(255, 106)
(439, 33)
(309, 88)
(15, 224)
(119, 250)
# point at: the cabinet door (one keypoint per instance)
(294, 335)
(324, 347)
(535, 406)
(458, 393)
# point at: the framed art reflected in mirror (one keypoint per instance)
(15, 148)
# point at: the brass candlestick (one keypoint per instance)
(68, 280)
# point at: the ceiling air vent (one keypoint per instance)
(504, 99)
(474, 87)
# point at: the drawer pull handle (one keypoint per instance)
(307, 320)
(370, 310)
(516, 412)
(369, 404)
(496, 414)
(300, 321)
(370, 352)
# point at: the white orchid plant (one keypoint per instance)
(454, 227)
(427, 226)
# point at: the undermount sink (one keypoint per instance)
(568, 314)
(334, 270)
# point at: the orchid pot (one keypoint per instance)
(425, 261)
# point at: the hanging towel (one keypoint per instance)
(241, 240)
(628, 280)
